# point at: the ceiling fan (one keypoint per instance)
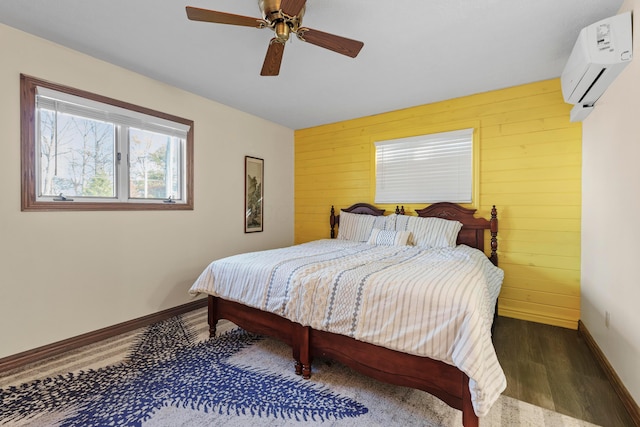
(284, 17)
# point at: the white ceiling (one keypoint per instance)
(415, 51)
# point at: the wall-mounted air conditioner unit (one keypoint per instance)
(601, 52)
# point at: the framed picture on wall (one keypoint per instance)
(254, 194)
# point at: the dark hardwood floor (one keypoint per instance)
(552, 367)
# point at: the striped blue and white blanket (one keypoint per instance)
(437, 303)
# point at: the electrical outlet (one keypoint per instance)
(607, 318)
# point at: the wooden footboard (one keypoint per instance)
(444, 381)
(437, 378)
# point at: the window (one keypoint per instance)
(82, 151)
(425, 169)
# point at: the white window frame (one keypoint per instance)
(430, 168)
(37, 94)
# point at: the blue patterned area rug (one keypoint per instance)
(170, 374)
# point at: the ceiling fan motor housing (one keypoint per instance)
(282, 24)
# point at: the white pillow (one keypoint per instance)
(380, 222)
(430, 232)
(355, 227)
(389, 222)
(389, 237)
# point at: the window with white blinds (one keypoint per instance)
(425, 169)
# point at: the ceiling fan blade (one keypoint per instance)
(273, 59)
(332, 42)
(292, 7)
(205, 15)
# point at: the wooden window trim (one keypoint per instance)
(29, 202)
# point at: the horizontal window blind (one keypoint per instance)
(70, 104)
(425, 169)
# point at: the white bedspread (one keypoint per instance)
(437, 303)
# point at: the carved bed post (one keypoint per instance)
(494, 236)
(332, 222)
(212, 316)
(301, 350)
(469, 418)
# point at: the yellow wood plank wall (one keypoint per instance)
(530, 168)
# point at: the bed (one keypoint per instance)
(298, 295)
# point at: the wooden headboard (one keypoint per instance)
(471, 234)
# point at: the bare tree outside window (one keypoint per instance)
(83, 151)
(77, 156)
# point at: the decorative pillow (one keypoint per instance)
(355, 227)
(430, 232)
(389, 237)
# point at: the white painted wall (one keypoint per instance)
(63, 274)
(611, 220)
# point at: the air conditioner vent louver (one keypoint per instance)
(592, 84)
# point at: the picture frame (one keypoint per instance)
(253, 194)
